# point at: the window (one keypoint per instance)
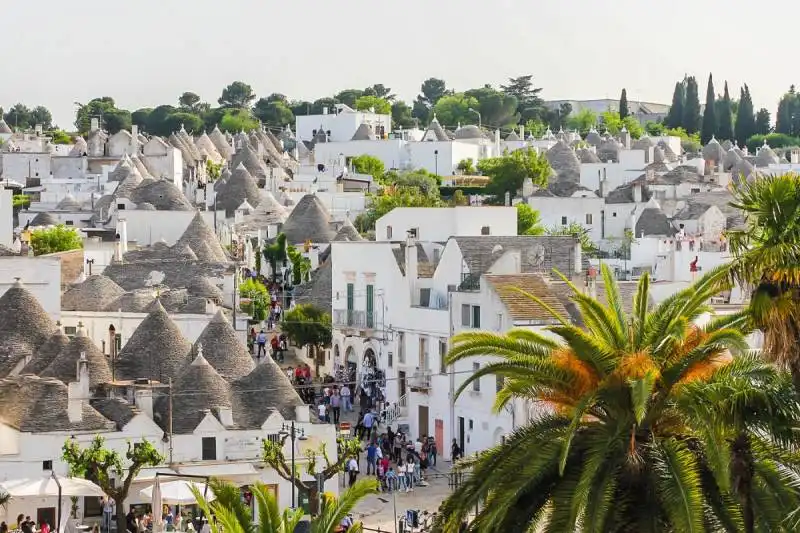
(209, 448)
(563, 221)
(500, 382)
(423, 353)
(485, 230)
(47, 465)
(588, 218)
(614, 214)
(499, 321)
(120, 206)
(92, 506)
(476, 385)
(118, 341)
(401, 347)
(413, 233)
(476, 316)
(70, 331)
(388, 233)
(370, 306)
(425, 297)
(471, 316)
(274, 438)
(695, 191)
(436, 254)
(442, 356)
(390, 357)
(68, 223)
(350, 302)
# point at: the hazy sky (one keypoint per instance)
(147, 52)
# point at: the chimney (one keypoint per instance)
(135, 131)
(144, 401)
(578, 256)
(522, 132)
(626, 138)
(527, 188)
(38, 128)
(78, 391)
(794, 156)
(225, 415)
(122, 231)
(507, 199)
(95, 125)
(603, 185)
(637, 192)
(325, 110)
(412, 264)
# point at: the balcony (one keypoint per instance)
(420, 381)
(350, 318)
(470, 283)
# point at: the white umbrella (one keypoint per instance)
(158, 515)
(49, 486)
(178, 492)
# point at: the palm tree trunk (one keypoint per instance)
(794, 368)
(742, 472)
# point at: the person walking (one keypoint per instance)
(369, 422)
(108, 510)
(347, 405)
(432, 451)
(261, 340)
(336, 401)
(409, 474)
(455, 451)
(372, 457)
(352, 471)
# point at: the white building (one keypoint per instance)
(439, 224)
(340, 124)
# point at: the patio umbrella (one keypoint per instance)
(158, 512)
(178, 492)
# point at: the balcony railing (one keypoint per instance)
(420, 380)
(350, 318)
(470, 282)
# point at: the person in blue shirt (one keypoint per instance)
(369, 422)
(372, 457)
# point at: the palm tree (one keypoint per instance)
(4, 499)
(234, 516)
(767, 261)
(653, 423)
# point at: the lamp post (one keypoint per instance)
(89, 263)
(295, 435)
(479, 116)
(436, 161)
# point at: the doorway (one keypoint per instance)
(438, 425)
(423, 421)
(461, 433)
(401, 378)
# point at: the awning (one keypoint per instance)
(38, 188)
(49, 486)
(147, 475)
(223, 470)
(178, 492)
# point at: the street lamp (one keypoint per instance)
(294, 434)
(477, 113)
(436, 161)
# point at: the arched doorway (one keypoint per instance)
(372, 391)
(351, 367)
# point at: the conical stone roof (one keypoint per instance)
(202, 240)
(140, 166)
(157, 349)
(364, 132)
(223, 349)
(730, 160)
(224, 176)
(594, 138)
(68, 203)
(435, 131)
(308, 221)
(251, 409)
(197, 389)
(64, 366)
(221, 143)
(4, 129)
(44, 219)
(247, 156)
(46, 353)
(653, 222)
(587, 156)
(512, 136)
(609, 150)
(161, 194)
(564, 162)
(240, 187)
(203, 142)
(713, 151)
(347, 232)
(766, 157)
(24, 327)
(94, 294)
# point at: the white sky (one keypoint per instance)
(147, 52)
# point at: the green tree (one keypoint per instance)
(691, 107)
(538, 128)
(422, 180)
(466, 166)
(117, 120)
(301, 265)
(725, 116)
(237, 95)
(391, 198)
(530, 105)
(763, 121)
(710, 125)
(558, 119)
(140, 117)
(95, 108)
(458, 199)
(300, 107)
(234, 516)
(455, 108)
(188, 121)
(213, 170)
(433, 89)
(381, 91)
(573, 229)
(654, 129)
(102, 465)
(309, 326)
(583, 120)
(367, 164)
(623, 104)
(41, 115)
(401, 115)
(349, 97)
(508, 171)
(529, 222)
(652, 424)
(235, 120)
(497, 109)
(189, 101)
(320, 105)
(745, 126)
(380, 106)
(257, 297)
(675, 115)
(614, 124)
(55, 239)
(18, 117)
(273, 112)
(787, 119)
(60, 137)
(156, 121)
(765, 259)
(275, 254)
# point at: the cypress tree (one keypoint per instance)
(710, 114)
(623, 105)
(691, 107)
(675, 116)
(725, 117)
(745, 118)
